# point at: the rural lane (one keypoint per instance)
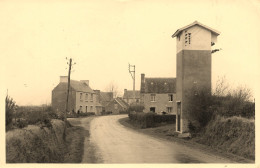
(115, 143)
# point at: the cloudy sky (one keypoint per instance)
(103, 36)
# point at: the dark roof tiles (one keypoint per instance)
(160, 85)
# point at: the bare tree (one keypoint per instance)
(112, 87)
(222, 87)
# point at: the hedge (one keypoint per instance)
(148, 120)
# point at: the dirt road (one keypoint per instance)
(115, 143)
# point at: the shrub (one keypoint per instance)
(147, 120)
(248, 110)
(38, 117)
(9, 110)
(199, 108)
(86, 114)
(168, 118)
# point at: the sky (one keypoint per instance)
(103, 36)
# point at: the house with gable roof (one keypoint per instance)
(158, 94)
(131, 97)
(81, 97)
(117, 105)
(104, 98)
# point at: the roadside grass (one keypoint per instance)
(233, 134)
(74, 144)
(37, 144)
(85, 149)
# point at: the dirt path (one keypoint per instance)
(117, 144)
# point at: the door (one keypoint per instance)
(179, 116)
(152, 109)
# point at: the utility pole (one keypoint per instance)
(131, 69)
(68, 90)
(67, 100)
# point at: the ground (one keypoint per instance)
(112, 142)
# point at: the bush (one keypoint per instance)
(38, 117)
(168, 118)
(147, 120)
(199, 108)
(233, 134)
(75, 115)
(9, 111)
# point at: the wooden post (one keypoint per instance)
(67, 101)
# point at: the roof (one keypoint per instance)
(121, 102)
(80, 86)
(159, 85)
(129, 94)
(75, 85)
(193, 24)
(106, 96)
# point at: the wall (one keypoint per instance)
(83, 102)
(161, 103)
(193, 72)
(200, 39)
(59, 98)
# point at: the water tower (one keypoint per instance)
(194, 43)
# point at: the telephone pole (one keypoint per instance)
(68, 90)
(131, 69)
(67, 100)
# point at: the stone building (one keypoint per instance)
(130, 97)
(104, 98)
(81, 97)
(117, 106)
(158, 94)
(194, 43)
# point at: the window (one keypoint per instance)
(86, 97)
(170, 97)
(80, 96)
(152, 97)
(169, 109)
(91, 108)
(91, 97)
(86, 108)
(187, 38)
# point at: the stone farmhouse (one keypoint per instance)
(158, 94)
(81, 97)
(104, 98)
(117, 106)
(130, 97)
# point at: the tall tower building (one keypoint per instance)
(194, 43)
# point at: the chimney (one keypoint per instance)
(63, 79)
(142, 83)
(85, 81)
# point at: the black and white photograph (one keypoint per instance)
(129, 82)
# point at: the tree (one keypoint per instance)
(112, 87)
